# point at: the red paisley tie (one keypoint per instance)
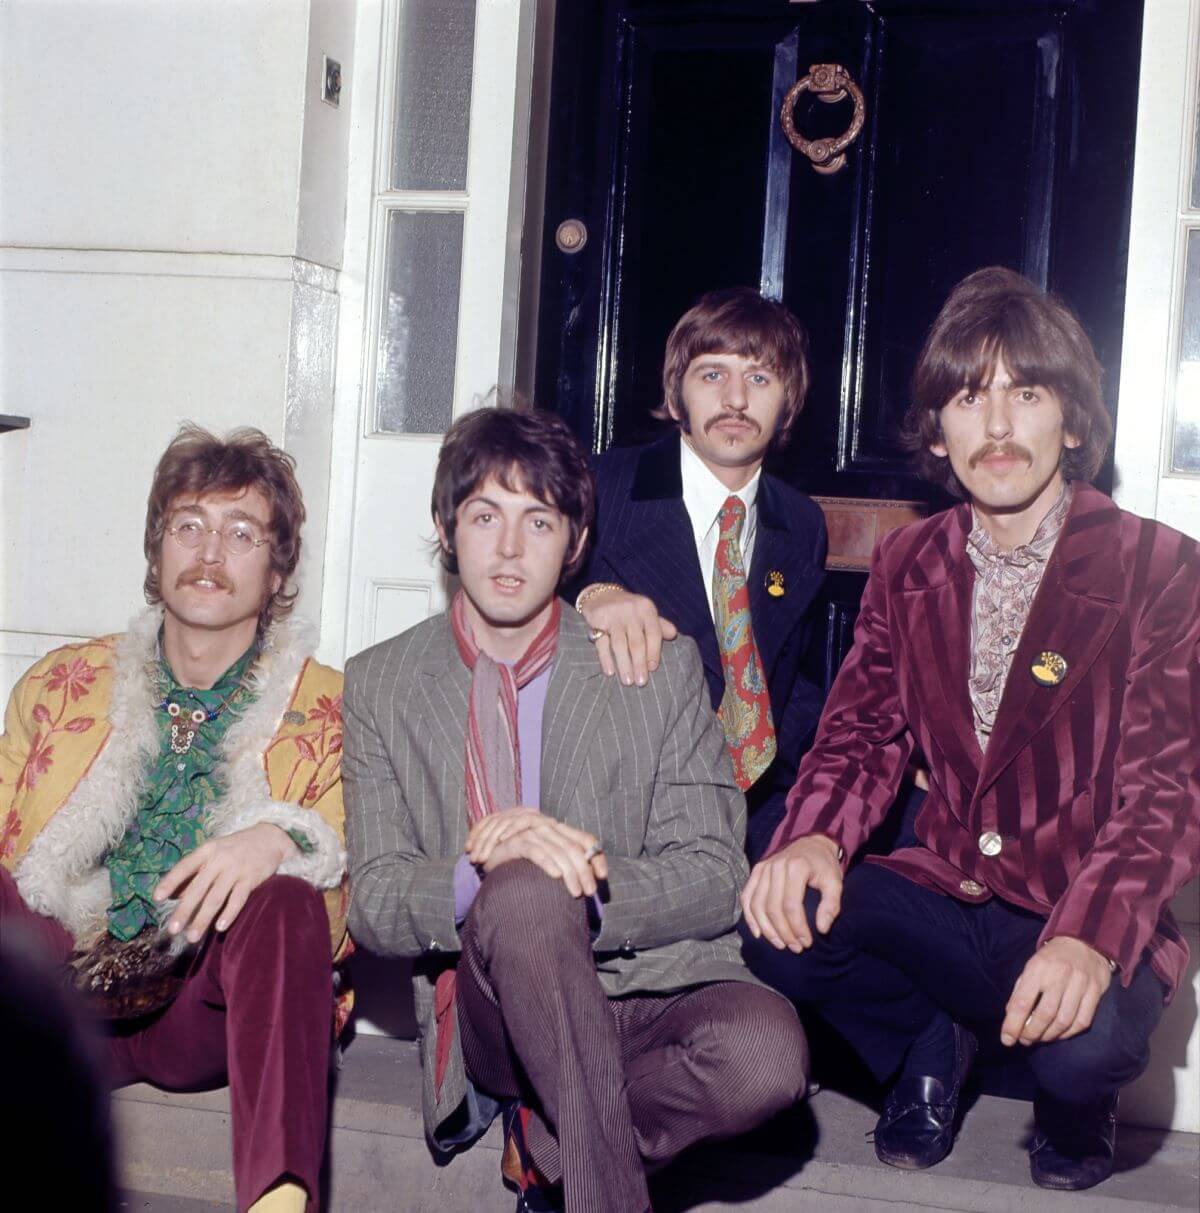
(746, 707)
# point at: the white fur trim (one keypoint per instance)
(324, 867)
(61, 873)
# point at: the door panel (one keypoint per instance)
(996, 131)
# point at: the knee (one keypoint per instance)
(518, 901)
(781, 969)
(1091, 1066)
(763, 1058)
(290, 905)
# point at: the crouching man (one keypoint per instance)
(170, 807)
(561, 851)
(1039, 646)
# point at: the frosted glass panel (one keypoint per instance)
(433, 94)
(418, 328)
(1186, 452)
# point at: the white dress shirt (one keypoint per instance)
(703, 497)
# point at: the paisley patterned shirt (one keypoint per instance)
(173, 810)
(1005, 585)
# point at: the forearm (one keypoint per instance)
(402, 906)
(658, 901)
(848, 780)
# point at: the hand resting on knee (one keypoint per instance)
(570, 855)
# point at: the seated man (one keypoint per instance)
(562, 852)
(1039, 646)
(181, 782)
(690, 528)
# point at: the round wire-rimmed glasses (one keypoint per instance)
(238, 538)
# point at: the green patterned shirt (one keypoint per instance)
(173, 810)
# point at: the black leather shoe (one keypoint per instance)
(1072, 1146)
(916, 1128)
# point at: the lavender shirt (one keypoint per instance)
(531, 706)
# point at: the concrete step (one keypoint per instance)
(175, 1158)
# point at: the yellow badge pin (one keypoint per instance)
(1049, 669)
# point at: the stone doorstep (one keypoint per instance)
(177, 1146)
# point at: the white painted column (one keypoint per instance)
(1169, 97)
(171, 228)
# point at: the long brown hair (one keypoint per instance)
(197, 462)
(995, 314)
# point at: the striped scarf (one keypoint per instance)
(493, 758)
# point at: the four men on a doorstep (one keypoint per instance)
(562, 852)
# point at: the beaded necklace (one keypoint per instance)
(184, 729)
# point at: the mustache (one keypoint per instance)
(1012, 449)
(742, 417)
(193, 575)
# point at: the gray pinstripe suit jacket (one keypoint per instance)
(644, 769)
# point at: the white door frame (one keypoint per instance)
(493, 204)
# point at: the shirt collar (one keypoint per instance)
(704, 495)
(222, 688)
(983, 549)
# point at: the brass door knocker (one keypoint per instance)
(828, 82)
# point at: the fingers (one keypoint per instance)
(1068, 1008)
(195, 893)
(1042, 1016)
(639, 653)
(773, 899)
(210, 907)
(830, 906)
(553, 858)
(1086, 1013)
(558, 850)
(179, 875)
(1020, 1008)
(486, 834)
(631, 646)
(781, 906)
(604, 651)
(234, 905)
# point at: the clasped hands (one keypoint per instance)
(1054, 998)
(570, 855)
(218, 877)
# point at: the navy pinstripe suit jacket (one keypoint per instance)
(1093, 785)
(644, 540)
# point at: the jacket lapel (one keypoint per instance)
(1074, 612)
(778, 549)
(933, 620)
(654, 547)
(575, 700)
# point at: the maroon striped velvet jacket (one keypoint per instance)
(1093, 785)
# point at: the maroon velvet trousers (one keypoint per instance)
(255, 1011)
(615, 1085)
